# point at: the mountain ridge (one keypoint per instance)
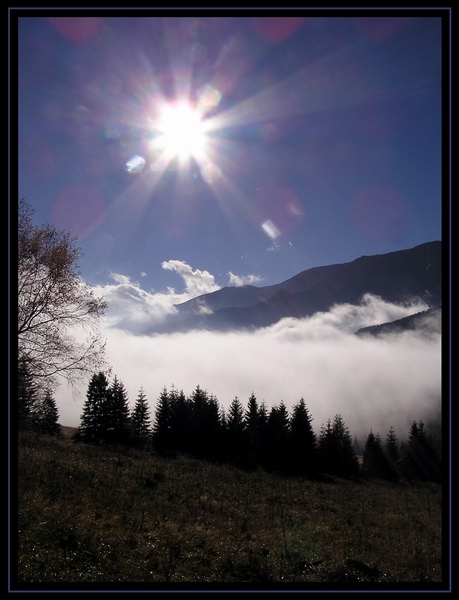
(398, 276)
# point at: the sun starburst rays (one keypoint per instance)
(190, 139)
(182, 132)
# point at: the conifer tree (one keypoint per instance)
(205, 421)
(223, 419)
(235, 433)
(263, 416)
(392, 448)
(413, 433)
(336, 452)
(368, 454)
(253, 427)
(117, 413)
(327, 448)
(140, 420)
(421, 461)
(198, 403)
(375, 463)
(349, 461)
(214, 429)
(264, 448)
(409, 461)
(303, 441)
(235, 419)
(181, 421)
(93, 419)
(162, 427)
(277, 448)
(46, 414)
(252, 414)
(27, 395)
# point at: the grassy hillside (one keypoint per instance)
(101, 515)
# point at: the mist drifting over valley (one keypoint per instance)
(372, 381)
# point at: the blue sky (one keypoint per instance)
(317, 139)
(325, 139)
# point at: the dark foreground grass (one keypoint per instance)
(102, 515)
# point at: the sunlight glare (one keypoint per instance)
(182, 132)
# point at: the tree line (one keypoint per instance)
(249, 437)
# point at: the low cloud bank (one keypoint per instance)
(373, 382)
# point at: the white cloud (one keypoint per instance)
(240, 280)
(136, 310)
(196, 282)
(201, 307)
(131, 308)
(119, 278)
(372, 382)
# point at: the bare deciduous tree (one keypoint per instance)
(58, 314)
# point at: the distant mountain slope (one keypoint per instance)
(428, 322)
(396, 277)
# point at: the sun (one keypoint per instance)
(182, 132)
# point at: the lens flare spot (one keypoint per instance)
(211, 173)
(278, 209)
(271, 229)
(380, 29)
(135, 164)
(270, 132)
(77, 29)
(198, 51)
(209, 97)
(276, 29)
